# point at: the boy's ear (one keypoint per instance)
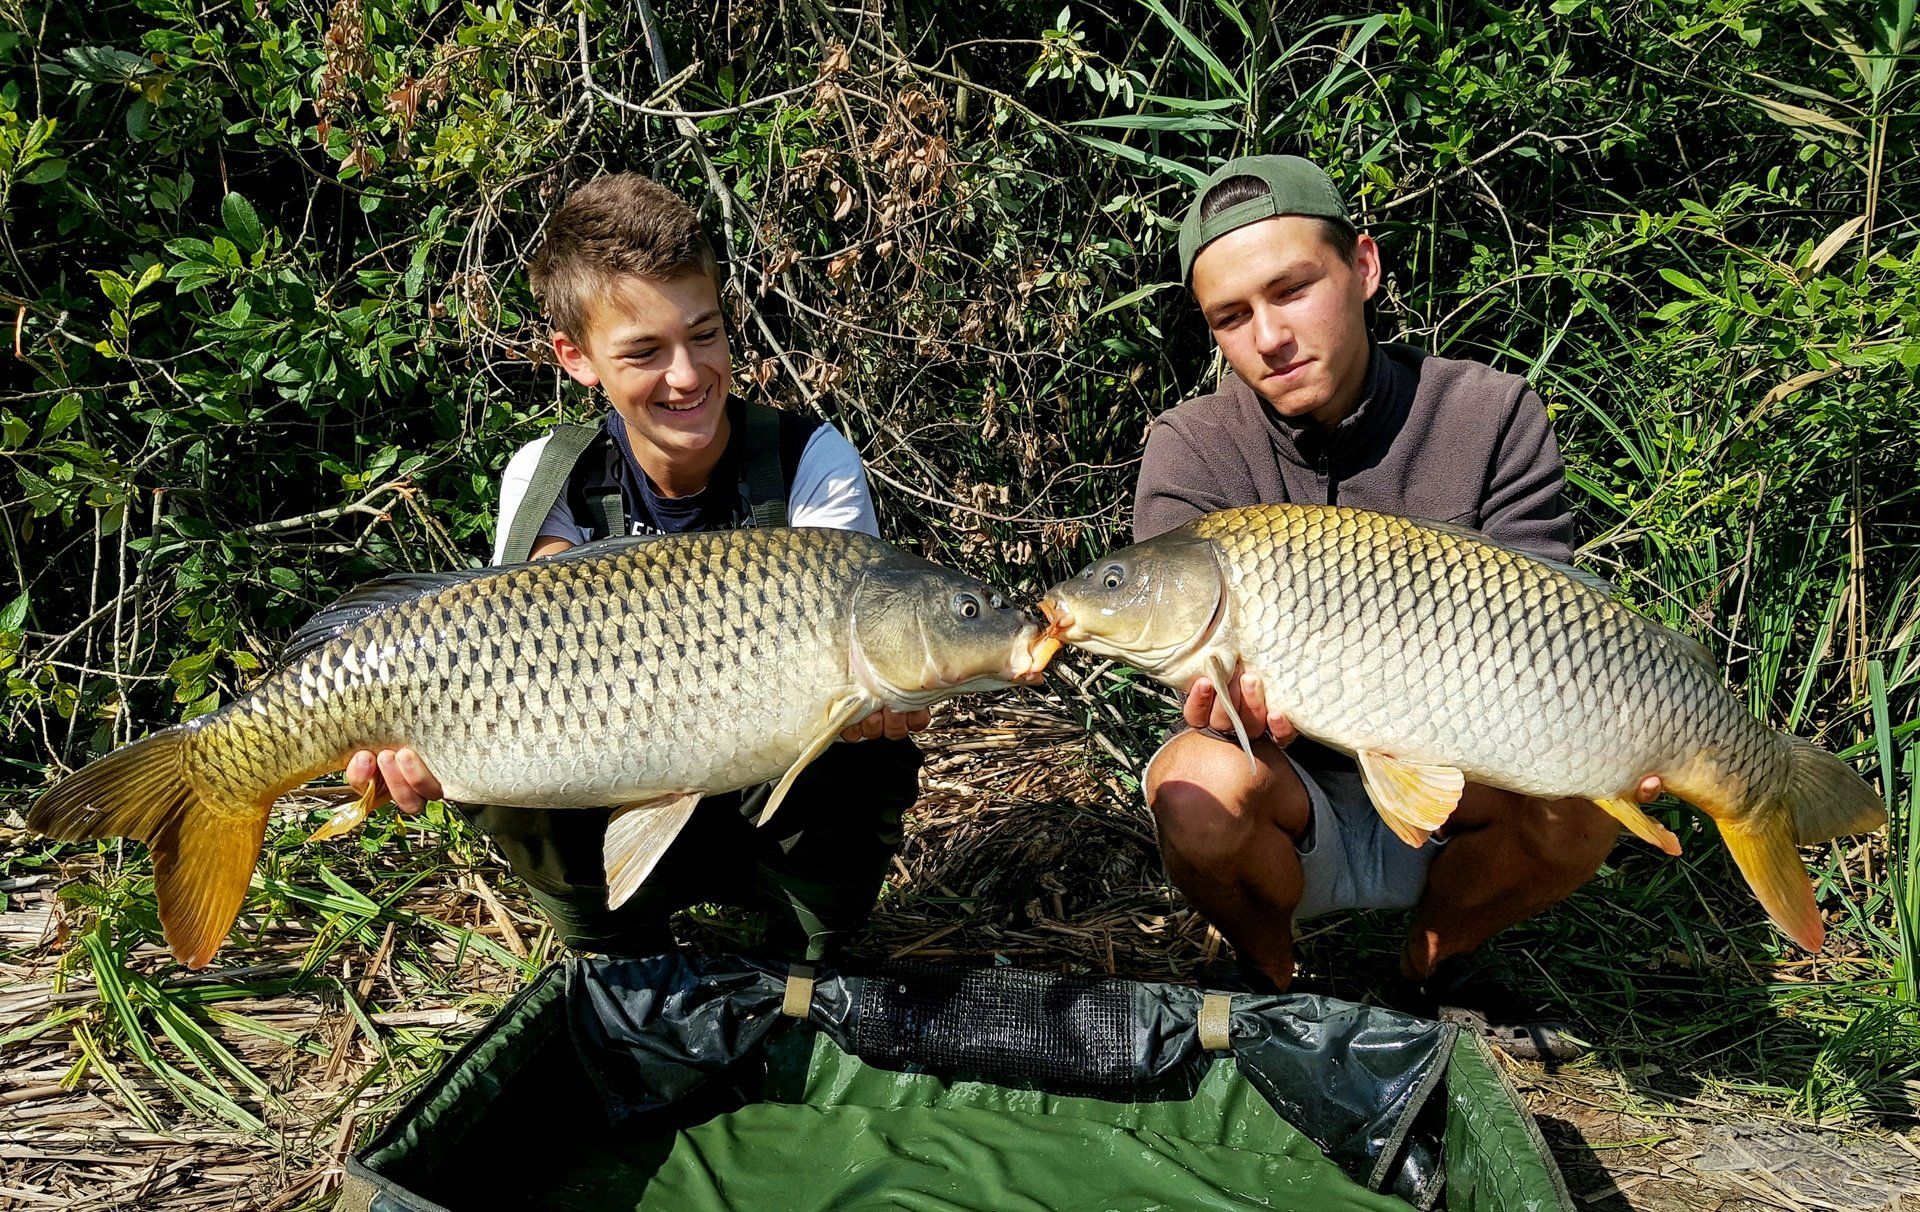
(573, 359)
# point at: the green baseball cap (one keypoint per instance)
(1295, 186)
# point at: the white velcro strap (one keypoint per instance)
(799, 998)
(1216, 1022)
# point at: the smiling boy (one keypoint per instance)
(1316, 412)
(630, 288)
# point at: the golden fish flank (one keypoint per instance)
(1437, 658)
(635, 673)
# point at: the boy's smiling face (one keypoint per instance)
(659, 351)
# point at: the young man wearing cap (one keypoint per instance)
(1315, 411)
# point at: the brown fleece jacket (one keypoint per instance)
(1435, 438)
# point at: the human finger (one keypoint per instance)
(1281, 729)
(1199, 705)
(405, 797)
(362, 768)
(1253, 702)
(894, 724)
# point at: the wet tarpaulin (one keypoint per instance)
(690, 1082)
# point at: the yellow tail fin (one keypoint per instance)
(203, 851)
(1763, 845)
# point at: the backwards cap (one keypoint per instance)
(1294, 187)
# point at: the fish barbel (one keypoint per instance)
(636, 673)
(1437, 657)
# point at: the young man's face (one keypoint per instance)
(659, 350)
(1290, 313)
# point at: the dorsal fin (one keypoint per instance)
(367, 599)
(1590, 580)
(602, 547)
(1693, 649)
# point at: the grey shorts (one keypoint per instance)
(1350, 859)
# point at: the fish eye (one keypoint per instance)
(966, 606)
(1114, 577)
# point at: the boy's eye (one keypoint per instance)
(642, 355)
(704, 337)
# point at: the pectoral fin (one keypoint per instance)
(1413, 798)
(844, 712)
(637, 836)
(1223, 687)
(1640, 824)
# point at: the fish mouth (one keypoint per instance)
(1030, 658)
(1060, 622)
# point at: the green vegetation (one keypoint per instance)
(270, 338)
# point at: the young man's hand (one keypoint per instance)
(893, 725)
(406, 778)
(1203, 709)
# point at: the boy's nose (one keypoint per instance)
(682, 375)
(1271, 333)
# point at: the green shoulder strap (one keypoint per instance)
(766, 485)
(565, 445)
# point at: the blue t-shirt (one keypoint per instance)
(721, 505)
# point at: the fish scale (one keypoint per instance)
(1440, 658)
(1476, 670)
(635, 674)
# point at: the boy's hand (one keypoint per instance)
(889, 723)
(1203, 709)
(406, 778)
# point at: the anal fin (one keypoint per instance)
(637, 835)
(1412, 797)
(353, 814)
(842, 714)
(1638, 823)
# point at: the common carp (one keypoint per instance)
(638, 673)
(1436, 657)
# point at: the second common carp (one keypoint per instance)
(640, 673)
(1436, 657)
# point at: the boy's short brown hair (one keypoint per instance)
(614, 226)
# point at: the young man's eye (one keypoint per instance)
(708, 335)
(642, 355)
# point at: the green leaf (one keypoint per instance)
(1132, 297)
(108, 64)
(1676, 278)
(14, 617)
(285, 578)
(115, 287)
(45, 171)
(241, 222)
(189, 249)
(61, 416)
(1221, 73)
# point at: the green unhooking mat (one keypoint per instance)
(697, 1083)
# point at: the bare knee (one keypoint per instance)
(1210, 807)
(1569, 838)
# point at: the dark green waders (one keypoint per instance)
(814, 869)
